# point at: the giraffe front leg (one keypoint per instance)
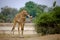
(22, 29)
(13, 27)
(18, 28)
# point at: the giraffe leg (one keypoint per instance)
(13, 27)
(19, 28)
(22, 28)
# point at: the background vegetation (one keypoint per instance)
(48, 22)
(7, 13)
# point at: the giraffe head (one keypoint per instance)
(24, 11)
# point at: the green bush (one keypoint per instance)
(46, 23)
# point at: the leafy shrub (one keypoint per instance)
(46, 23)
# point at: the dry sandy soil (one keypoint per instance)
(29, 37)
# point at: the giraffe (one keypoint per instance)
(20, 19)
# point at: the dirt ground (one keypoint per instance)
(29, 37)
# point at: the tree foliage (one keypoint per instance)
(33, 8)
(7, 14)
(54, 4)
(47, 22)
